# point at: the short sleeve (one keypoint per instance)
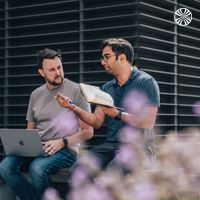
(150, 87)
(30, 112)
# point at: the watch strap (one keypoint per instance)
(65, 142)
(119, 115)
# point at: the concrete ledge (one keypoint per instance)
(61, 176)
(59, 179)
(5, 191)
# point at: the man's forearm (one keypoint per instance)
(93, 119)
(80, 136)
(145, 120)
(85, 116)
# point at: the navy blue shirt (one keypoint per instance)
(139, 81)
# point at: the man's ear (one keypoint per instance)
(122, 57)
(40, 71)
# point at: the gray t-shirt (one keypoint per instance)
(52, 120)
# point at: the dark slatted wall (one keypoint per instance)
(31, 26)
(2, 64)
(157, 55)
(168, 52)
(188, 66)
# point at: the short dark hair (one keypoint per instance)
(119, 46)
(47, 53)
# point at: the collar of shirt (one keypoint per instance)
(133, 75)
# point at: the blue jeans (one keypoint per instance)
(40, 169)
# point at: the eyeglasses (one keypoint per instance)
(106, 57)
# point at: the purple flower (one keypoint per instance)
(130, 135)
(87, 167)
(91, 162)
(65, 124)
(51, 194)
(80, 176)
(135, 102)
(196, 108)
(144, 191)
(99, 193)
(90, 192)
(127, 156)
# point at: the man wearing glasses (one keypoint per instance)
(117, 58)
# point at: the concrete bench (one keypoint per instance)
(60, 178)
(60, 182)
(5, 192)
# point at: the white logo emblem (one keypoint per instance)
(183, 16)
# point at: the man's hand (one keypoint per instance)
(64, 101)
(110, 111)
(52, 146)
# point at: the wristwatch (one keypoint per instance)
(65, 142)
(119, 115)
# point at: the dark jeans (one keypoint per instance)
(40, 169)
(105, 152)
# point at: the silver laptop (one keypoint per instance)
(22, 142)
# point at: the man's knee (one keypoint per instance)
(6, 167)
(37, 170)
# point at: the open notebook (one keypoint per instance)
(94, 95)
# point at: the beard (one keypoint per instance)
(54, 83)
(108, 71)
